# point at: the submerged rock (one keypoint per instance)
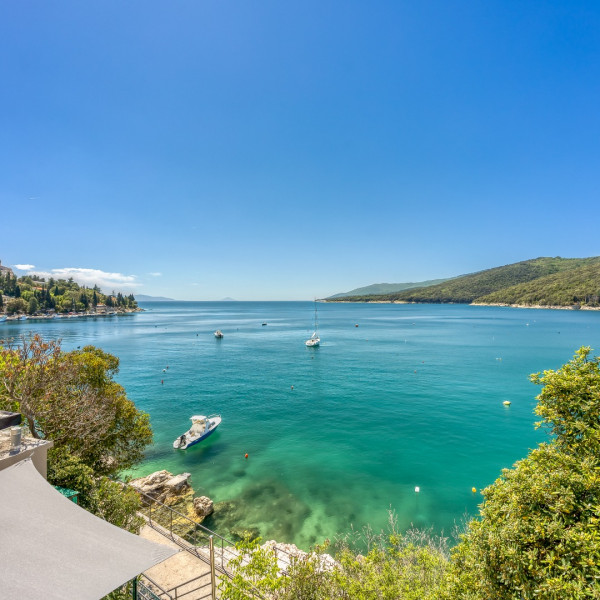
(244, 533)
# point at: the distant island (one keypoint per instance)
(146, 298)
(540, 282)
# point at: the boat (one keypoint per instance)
(22, 318)
(201, 428)
(314, 339)
(218, 334)
(2, 318)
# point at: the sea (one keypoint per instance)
(399, 411)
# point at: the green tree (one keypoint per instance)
(15, 306)
(73, 399)
(33, 306)
(538, 536)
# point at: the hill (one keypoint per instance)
(541, 281)
(386, 288)
(577, 286)
(146, 298)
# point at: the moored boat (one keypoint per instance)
(201, 428)
(218, 334)
(314, 339)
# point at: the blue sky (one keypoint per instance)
(279, 151)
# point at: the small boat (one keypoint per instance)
(2, 318)
(201, 428)
(264, 324)
(218, 334)
(314, 339)
(22, 318)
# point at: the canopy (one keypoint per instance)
(53, 549)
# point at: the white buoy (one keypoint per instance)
(417, 489)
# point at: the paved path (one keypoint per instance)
(178, 569)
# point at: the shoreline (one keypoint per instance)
(498, 304)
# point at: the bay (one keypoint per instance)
(338, 435)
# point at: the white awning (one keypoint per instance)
(51, 548)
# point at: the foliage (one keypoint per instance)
(60, 295)
(539, 532)
(544, 281)
(72, 399)
(397, 567)
(105, 498)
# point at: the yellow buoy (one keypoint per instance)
(474, 490)
(506, 403)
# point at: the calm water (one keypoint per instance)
(411, 397)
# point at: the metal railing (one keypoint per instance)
(195, 537)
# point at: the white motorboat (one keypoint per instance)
(218, 334)
(201, 428)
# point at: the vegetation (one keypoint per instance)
(32, 294)
(72, 399)
(541, 281)
(410, 566)
(537, 536)
(386, 288)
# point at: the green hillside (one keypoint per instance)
(578, 286)
(557, 281)
(386, 288)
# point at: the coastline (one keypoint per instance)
(497, 304)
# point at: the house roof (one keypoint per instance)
(52, 548)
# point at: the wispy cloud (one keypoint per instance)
(106, 281)
(156, 274)
(24, 267)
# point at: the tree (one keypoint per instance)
(16, 305)
(72, 399)
(538, 535)
(33, 306)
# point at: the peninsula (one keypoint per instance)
(543, 282)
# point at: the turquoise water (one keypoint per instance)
(411, 397)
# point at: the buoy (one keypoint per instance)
(162, 381)
(506, 403)
(164, 370)
(245, 455)
(356, 325)
(417, 489)
(474, 490)
(292, 387)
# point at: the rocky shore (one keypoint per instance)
(176, 492)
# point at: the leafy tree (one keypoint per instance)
(33, 306)
(539, 531)
(16, 305)
(72, 399)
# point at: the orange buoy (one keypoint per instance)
(162, 381)
(474, 490)
(245, 455)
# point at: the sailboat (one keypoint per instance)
(314, 339)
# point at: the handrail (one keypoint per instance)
(281, 555)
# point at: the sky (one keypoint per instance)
(274, 150)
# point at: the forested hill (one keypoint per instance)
(541, 281)
(34, 295)
(386, 288)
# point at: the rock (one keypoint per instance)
(203, 506)
(162, 485)
(244, 533)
